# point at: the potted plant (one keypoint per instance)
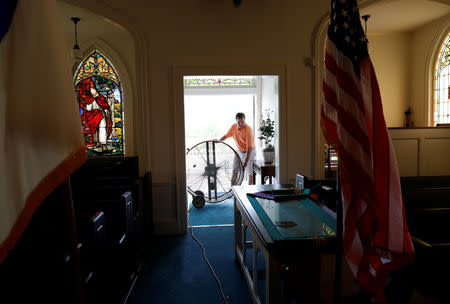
(267, 130)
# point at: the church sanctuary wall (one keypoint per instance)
(218, 37)
(424, 41)
(214, 36)
(389, 53)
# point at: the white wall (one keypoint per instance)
(215, 36)
(390, 56)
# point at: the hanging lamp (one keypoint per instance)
(76, 52)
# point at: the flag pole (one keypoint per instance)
(339, 241)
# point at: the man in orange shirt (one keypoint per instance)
(245, 140)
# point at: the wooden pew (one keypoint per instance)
(427, 209)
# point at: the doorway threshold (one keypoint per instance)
(208, 226)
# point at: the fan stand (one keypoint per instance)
(211, 174)
(199, 200)
(212, 164)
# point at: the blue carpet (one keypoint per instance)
(175, 271)
(212, 214)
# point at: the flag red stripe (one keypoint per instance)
(347, 120)
(329, 95)
(381, 164)
(350, 165)
(344, 81)
(330, 126)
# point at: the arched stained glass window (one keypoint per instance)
(99, 96)
(442, 85)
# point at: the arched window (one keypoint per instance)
(99, 95)
(442, 85)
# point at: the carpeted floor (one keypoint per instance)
(175, 271)
(212, 214)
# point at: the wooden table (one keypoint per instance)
(278, 252)
(265, 170)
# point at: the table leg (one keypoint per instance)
(262, 179)
(273, 282)
(237, 229)
(255, 270)
(244, 245)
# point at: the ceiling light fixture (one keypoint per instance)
(76, 52)
(365, 18)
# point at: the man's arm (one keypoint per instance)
(249, 150)
(249, 143)
(229, 134)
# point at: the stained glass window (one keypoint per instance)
(331, 161)
(331, 158)
(218, 81)
(442, 85)
(99, 96)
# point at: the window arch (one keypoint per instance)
(99, 96)
(441, 109)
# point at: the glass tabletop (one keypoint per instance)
(294, 219)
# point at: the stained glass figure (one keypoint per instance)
(99, 96)
(442, 85)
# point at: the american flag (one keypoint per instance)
(41, 143)
(376, 238)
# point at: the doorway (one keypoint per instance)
(210, 105)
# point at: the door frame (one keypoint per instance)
(177, 74)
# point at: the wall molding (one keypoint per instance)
(421, 151)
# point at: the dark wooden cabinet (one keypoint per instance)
(85, 243)
(112, 187)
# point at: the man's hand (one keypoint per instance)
(249, 150)
(244, 165)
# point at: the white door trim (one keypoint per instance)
(177, 98)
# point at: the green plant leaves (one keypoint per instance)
(267, 130)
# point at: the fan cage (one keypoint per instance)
(213, 167)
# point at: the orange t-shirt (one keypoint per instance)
(244, 137)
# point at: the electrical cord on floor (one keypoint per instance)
(226, 299)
